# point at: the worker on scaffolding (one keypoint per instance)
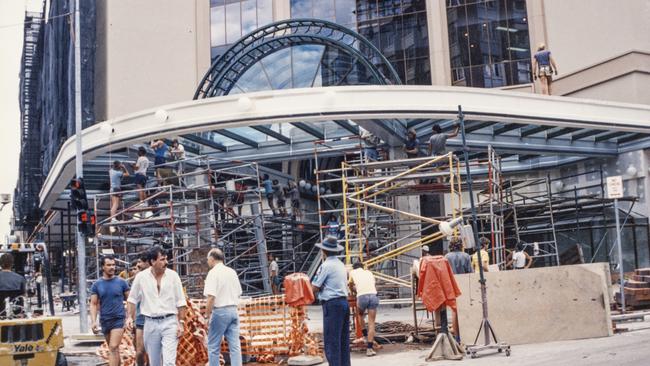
(412, 146)
(115, 174)
(294, 194)
(331, 286)
(362, 282)
(370, 143)
(485, 257)
(438, 140)
(141, 165)
(280, 194)
(160, 151)
(177, 153)
(332, 226)
(267, 183)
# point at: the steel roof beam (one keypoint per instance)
(309, 129)
(560, 132)
(205, 142)
(237, 137)
(630, 138)
(478, 125)
(584, 134)
(505, 128)
(352, 128)
(609, 135)
(531, 130)
(276, 135)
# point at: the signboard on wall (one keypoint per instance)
(615, 187)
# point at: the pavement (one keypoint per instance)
(627, 348)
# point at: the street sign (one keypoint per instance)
(615, 187)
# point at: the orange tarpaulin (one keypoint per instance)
(437, 285)
(298, 290)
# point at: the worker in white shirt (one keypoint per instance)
(222, 289)
(178, 154)
(520, 259)
(363, 282)
(162, 302)
(274, 270)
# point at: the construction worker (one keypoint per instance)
(370, 145)
(274, 271)
(330, 284)
(412, 146)
(12, 284)
(294, 194)
(108, 294)
(280, 196)
(363, 282)
(520, 259)
(544, 66)
(485, 258)
(222, 289)
(141, 165)
(438, 140)
(267, 183)
(115, 174)
(333, 227)
(459, 261)
(159, 292)
(140, 354)
(178, 153)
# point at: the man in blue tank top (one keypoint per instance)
(544, 66)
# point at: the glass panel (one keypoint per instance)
(301, 9)
(390, 31)
(458, 37)
(345, 13)
(278, 68)
(213, 136)
(409, 6)
(233, 22)
(248, 16)
(254, 79)
(217, 26)
(389, 8)
(305, 59)
(252, 134)
(324, 9)
(418, 71)
(264, 12)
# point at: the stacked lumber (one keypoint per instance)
(637, 289)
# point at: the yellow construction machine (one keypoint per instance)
(25, 339)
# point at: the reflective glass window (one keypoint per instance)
(488, 42)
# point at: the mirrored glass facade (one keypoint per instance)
(232, 19)
(398, 28)
(488, 42)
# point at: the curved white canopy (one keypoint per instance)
(348, 102)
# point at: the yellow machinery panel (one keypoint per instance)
(35, 341)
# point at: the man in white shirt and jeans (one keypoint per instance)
(162, 302)
(222, 288)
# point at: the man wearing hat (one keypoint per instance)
(415, 269)
(331, 286)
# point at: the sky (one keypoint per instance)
(12, 15)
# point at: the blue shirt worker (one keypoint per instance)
(160, 149)
(267, 183)
(544, 67)
(331, 286)
(108, 295)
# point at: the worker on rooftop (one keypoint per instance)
(544, 66)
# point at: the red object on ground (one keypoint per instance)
(297, 288)
(437, 285)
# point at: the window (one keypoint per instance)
(488, 42)
(232, 19)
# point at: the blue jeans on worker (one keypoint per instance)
(224, 322)
(336, 331)
(160, 340)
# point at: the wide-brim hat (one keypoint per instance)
(330, 244)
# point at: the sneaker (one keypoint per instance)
(370, 352)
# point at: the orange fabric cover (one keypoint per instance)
(437, 285)
(297, 289)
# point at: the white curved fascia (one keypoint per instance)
(348, 102)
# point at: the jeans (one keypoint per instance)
(160, 340)
(336, 331)
(224, 322)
